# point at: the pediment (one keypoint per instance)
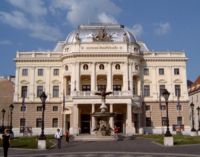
(56, 82)
(40, 82)
(177, 81)
(24, 82)
(147, 81)
(162, 81)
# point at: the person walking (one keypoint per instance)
(58, 136)
(6, 142)
(67, 136)
(116, 131)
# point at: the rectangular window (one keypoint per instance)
(164, 121)
(161, 87)
(55, 108)
(40, 72)
(24, 72)
(39, 108)
(55, 91)
(134, 88)
(146, 71)
(147, 107)
(178, 107)
(23, 108)
(55, 122)
(161, 71)
(162, 107)
(179, 120)
(38, 122)
(39, 90)
(176, 71)
(177, 90)
(146, 90)
(86, 88)
(22, 122)
(117, 87)
(101, 87)
(24, 90)
(55, 72)
(148, 121)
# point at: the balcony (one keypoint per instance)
(90, 93)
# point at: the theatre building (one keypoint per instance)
(98, 57)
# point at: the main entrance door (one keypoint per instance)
(85, 123)
(119, 120)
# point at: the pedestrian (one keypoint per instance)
(116, 131)
(67, 136)
(58, 136)
(6, 142)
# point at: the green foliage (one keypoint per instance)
(28, 142)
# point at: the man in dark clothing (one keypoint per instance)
(6, 142)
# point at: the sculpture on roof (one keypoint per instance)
(102, 36)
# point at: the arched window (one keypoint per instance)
(101, 66)
(85, 67)
(66, 68)
(117, 66)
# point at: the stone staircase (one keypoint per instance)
(93, 138)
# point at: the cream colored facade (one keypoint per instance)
(95, 57)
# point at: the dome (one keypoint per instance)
(100, 33)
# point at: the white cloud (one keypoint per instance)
(162, 28)
(104, 18)
(84, 11)
(33, 7)
(30, 15)
(38, 29)
(136, 30)
(5, 42)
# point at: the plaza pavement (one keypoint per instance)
(138, 147)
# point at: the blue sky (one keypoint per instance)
(164, 25)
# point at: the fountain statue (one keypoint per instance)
(102, 118)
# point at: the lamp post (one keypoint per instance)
(198, 109)
(166, 94)
(11, 107)
(192, 109)
(3, 111)
(43, 98)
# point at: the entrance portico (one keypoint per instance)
(82, 121)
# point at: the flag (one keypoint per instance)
(23, 104)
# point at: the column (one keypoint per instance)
(93, 119)
(129, 124)
(73, 78)
(125, 77)
(17, 89)
(31, 91)
(131, 78)
(109, 77)
(139, 87)
(75, 119)
(77, 79)
(111, 121)
(93, 78)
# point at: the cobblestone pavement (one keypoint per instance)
(126, 148)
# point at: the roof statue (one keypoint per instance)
(102, 36)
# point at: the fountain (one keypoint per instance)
(102, 118)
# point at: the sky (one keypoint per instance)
(37, 25)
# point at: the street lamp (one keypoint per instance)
(43, 98)
(166, 94)
(11, 107)
(198, 109)
(3, 111)
(192, 109)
